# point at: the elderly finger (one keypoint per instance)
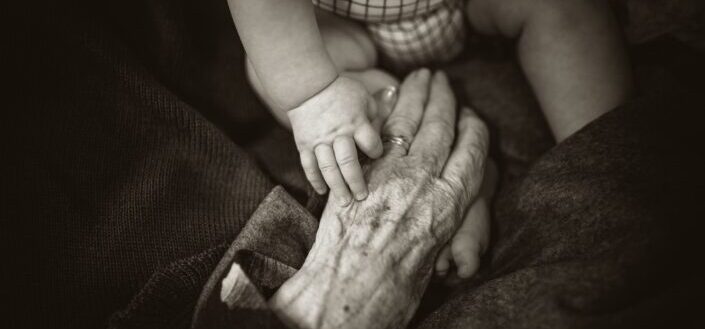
(405, 118)
(346, 156)
(331, 173)
(464, 169)
(313, 174)
(437, 130)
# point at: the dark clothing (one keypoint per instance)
(137, 153)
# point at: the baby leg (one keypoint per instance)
(347, 42)
(570, 50)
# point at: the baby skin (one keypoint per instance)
(316, 72)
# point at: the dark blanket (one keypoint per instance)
(137, 153)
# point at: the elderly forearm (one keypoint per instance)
(284, 45)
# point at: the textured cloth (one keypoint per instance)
(408, 33)
(380, 11)
(645, 20)
(139, 160)
(131, 147)
(587, 240)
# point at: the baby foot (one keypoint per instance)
(472, 238)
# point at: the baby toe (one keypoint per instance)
(466, 255)
(443, 261)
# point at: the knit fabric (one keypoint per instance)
(584, 241)
(137, 147)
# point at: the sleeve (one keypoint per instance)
(230, 283)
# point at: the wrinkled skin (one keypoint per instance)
(372, 260)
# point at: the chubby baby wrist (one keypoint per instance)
(321, 85)
(301, 85)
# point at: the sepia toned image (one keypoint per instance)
(301, 164)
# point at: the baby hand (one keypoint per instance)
(327, 128)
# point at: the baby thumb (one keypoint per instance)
(383, 105)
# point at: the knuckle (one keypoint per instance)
(327, 167)
(477, 154)
(441, 125)
(403, 124)
(456, 184)
(478, 157)
(311, 172)
(346, 160)
(462, 191)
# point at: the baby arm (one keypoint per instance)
(285, 48)
(329, 114)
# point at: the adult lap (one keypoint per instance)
(587, 237)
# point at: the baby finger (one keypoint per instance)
(346, 157)
(331, 173)
(313, 174)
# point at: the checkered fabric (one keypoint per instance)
(407, 33)
(379, 11)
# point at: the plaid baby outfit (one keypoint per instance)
(407, 33)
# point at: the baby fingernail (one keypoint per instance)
(361, 196)
(390, 93)
(344, 201)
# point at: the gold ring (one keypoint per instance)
(397, 140)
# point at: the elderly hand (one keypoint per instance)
(372, 259)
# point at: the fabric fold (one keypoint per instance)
(268, 251)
